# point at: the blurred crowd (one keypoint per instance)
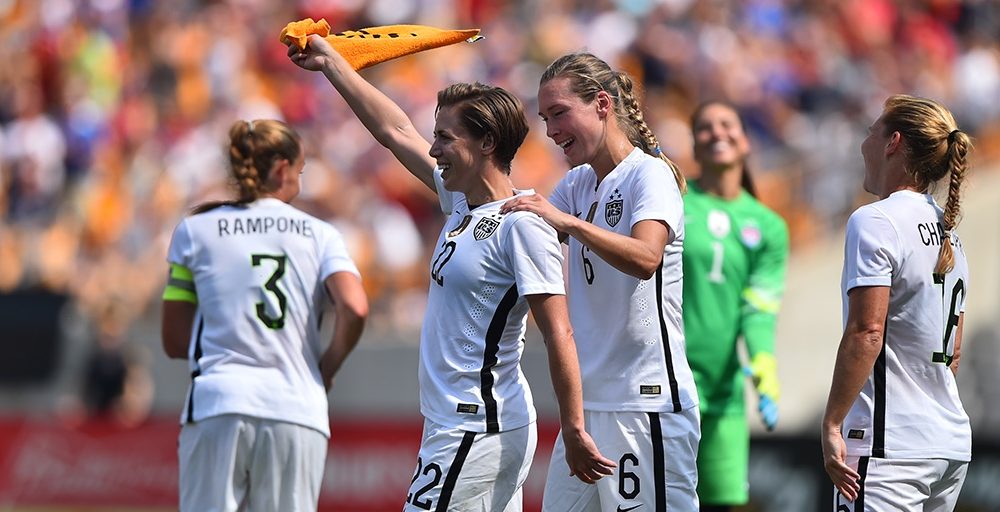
(113, 115)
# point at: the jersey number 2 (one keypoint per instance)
(951, 318)
(272, 286)
(447, 250)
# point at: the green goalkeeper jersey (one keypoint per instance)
(735, 253)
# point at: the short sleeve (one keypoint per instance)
(535, 256)
(560, 196)
(870, 249)
(445, 197)
(655, 195)
(181, 246)
(333, 254)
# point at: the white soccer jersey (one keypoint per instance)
(258, 273)
(629, 331)
(909, 406)
(484, 263)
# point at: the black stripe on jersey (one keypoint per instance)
(671, 378)
(659, 464)
(859, 504)
(493, 335)
(454, 470)
(878, 421)
(197, 370)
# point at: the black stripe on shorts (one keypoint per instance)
(659, 464)
(454, 471)
(859, 504)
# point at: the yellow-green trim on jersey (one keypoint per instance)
(180, 285)
(735, 254)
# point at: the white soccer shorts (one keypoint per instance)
(657, 470)
(931, 485)
(460, 471)
(232, 462)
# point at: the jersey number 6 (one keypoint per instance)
(950, 320)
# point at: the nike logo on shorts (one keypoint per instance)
(620, 509)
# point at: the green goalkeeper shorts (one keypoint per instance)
(723, 456)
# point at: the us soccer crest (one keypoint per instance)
(613, 209)
(485, 227)
(750, 235)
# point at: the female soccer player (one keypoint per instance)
(735, 252)
(248, 281)
(489, 268)
(895, 434)
(620, 206)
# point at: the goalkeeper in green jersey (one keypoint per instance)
(735, 251)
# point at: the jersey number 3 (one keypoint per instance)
(271, 286)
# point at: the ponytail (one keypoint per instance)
(638, 131)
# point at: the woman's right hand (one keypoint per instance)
(583, 458)
(317, 55)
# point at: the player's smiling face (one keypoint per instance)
(453, 150)
(719, 139)
(572, 123)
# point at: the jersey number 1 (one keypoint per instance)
(950, 320)
(272, 286)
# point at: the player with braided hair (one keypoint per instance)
(620, 210)
(895, 433)
(248, 282)
(489, 270)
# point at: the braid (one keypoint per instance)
(254, 147)
(958, 150)
(638, 131)
(241, 157)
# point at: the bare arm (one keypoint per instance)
(175, 327)
(958, 345)
(351, 305)
(638, 255)
(582, 455)
(859, 348)
(390, 126)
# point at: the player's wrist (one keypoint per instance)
(572, 429)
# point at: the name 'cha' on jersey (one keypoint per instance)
(735, 256)
(259, 272)
(629, 333)
(909, 406)
(484, 264)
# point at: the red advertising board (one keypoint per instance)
(369, 465)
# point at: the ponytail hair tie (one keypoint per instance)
(657, 151)
(952, 135)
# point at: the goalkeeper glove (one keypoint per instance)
(764, 372)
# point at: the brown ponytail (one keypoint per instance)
(254, 147)
(958, 150)
(638, 131)
(934, 148)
